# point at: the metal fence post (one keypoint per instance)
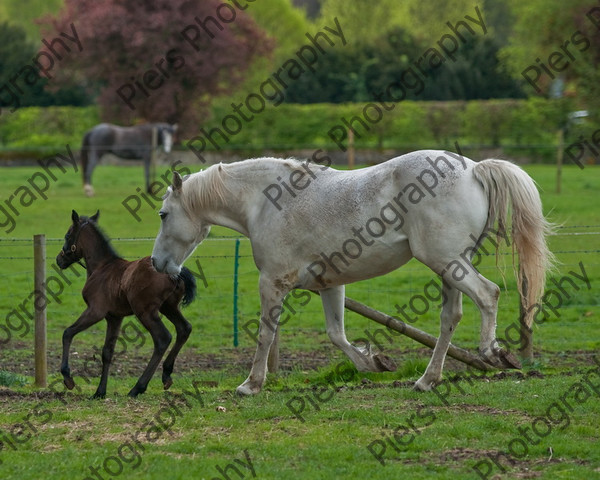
(236, 265)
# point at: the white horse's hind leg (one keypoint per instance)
(485, 294)
(449, 318)
(489, 349)
(363, 359)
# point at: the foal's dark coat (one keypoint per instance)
(116, 288)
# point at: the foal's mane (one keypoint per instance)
(100, 234)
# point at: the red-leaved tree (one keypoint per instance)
(155, 60)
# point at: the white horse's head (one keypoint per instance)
(179, 234)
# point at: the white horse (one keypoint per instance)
(314, 227)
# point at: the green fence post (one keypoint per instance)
(236, 264)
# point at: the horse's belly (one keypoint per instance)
(354, 262)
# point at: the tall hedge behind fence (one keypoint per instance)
(527, 126)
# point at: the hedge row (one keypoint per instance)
(527, 125)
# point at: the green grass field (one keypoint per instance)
(318, 417)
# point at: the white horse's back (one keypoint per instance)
(376, 218)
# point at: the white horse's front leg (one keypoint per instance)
(363, 359)
(271, 300)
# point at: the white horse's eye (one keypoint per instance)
(162, 215)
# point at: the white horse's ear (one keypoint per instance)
(174, 126)
(177, 182)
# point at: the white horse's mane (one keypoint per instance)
(209, 187)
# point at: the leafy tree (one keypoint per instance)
(364, 21)
(22, 13)
(386, 38)
(364, 73)
(540, 28)
(283, 22)
(286, 25)
(18, 81)
(136, 54)
(477, 73)
(311, 7)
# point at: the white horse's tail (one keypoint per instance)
(503, 181)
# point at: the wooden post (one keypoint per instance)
(526, 347)
(420, 336)
(39, 260)
(153, 154)
(559, 158)
(414, 333)
(350, 149)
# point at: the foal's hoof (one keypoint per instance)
(98, 396)
(69, 383)
(167, 383)
(135, 391)
(384, 363)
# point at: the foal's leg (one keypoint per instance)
(183, 328)
(88, 318)
(363, 359)
(271, 300)
(449, 318)
(161, 338)
(112, 334)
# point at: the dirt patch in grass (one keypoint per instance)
(516, 468)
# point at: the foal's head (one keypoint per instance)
(72, 250)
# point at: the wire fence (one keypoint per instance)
(575, 302)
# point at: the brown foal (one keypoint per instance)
(116, 288)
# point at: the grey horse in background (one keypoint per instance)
(124, 142)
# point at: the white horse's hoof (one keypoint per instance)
(364, 349)
(423, 385)
(247, 389)
(500, 358)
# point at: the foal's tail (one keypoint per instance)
(503, 182)
(190, 286)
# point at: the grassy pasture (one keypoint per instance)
(339, 412)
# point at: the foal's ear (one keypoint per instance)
(177, 182)
(94, 218)
(75, 217)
